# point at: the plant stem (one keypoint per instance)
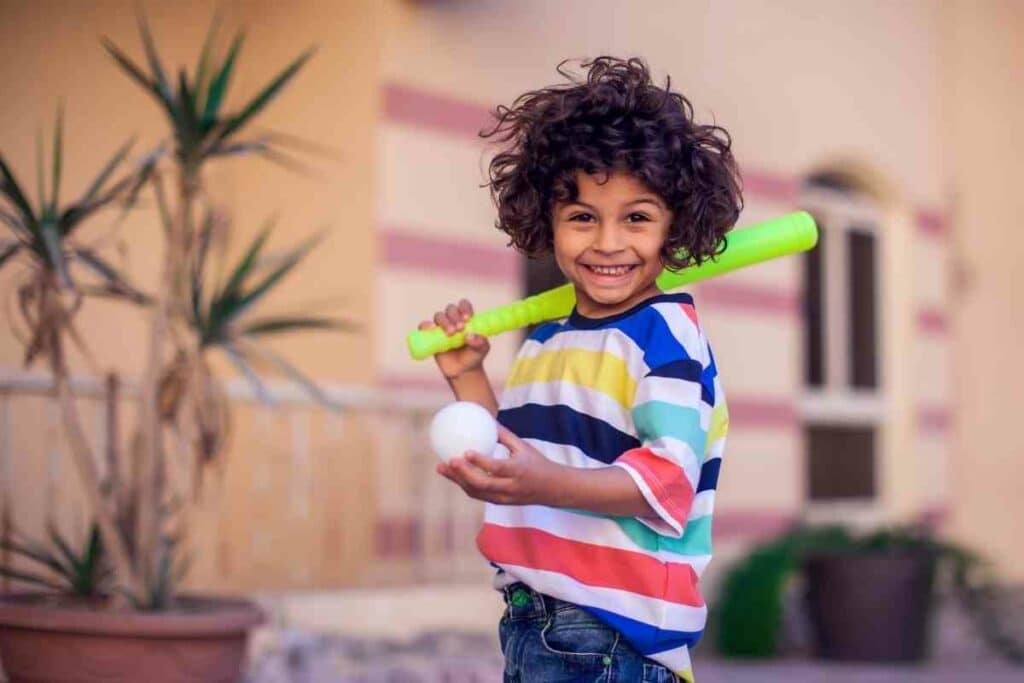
(86, 464)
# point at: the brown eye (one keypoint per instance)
(637, 217)
(581, 217)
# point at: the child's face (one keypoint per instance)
(607, 242)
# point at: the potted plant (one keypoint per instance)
(866, 597)
(111, 608)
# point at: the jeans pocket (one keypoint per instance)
(656, 673)
(580, 646)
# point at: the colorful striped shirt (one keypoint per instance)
(640, 391)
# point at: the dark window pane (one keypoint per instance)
(542, 273)
(863, 342)
(840, 462)
(814, 314)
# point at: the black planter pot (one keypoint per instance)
(871, 606)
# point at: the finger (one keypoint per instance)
(477, 341)
(509, 439)
(426, 325)
(476, 478)
(466, 309)
(493, 466)
(441, 320)
(454, 316)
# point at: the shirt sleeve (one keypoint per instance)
(671, 421)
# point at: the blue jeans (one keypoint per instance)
(546, 640)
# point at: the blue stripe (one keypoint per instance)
(645, 639)
(545, 332)
(687, 369)
(707, 380)
(563, 425)
(709, 474)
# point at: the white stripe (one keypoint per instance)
(703, 504)
(683, 329)
(580, 398)
(565, 454)
(680, 392)
(612, 341)
(582, 528)
(677, 660)
(659, 613)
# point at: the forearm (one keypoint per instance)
(605, 490)
(474, 386)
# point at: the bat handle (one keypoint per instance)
(531, 310)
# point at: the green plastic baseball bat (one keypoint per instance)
(789, 234)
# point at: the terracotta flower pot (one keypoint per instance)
(204, 640)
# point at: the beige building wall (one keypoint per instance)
(984, 59)
(279, 514)
(913, 98)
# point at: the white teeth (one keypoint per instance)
(611, 270)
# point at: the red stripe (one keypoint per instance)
(691, 313)
(591, 564)
(441, 113)
(403, 247)
(666, 479)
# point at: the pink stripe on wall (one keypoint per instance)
(752, 525)
(756, 299)
(402, 247)
(442, 113)
(412, 106)
(932, 321)
(934, 419)
(932, 222)
(772, 187)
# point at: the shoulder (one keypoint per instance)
(673, 331)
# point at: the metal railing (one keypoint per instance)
(307, 498)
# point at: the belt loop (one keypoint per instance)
(540, 607)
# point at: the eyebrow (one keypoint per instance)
(641, 200)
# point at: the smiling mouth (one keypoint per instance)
(612, 271)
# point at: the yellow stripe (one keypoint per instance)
(719, 423)
(594, 370)
(686, 675)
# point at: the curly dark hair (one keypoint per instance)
(614, 119)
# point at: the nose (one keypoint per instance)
(608, 238)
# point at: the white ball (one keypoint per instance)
(463, 426)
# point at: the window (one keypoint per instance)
(841, 406)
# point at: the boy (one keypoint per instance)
(598, 522)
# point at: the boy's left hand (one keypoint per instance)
(526, 477)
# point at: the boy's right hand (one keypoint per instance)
(467, 358)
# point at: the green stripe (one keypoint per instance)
(655, 419)
(696, 538)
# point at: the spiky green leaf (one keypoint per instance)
(34, 579)
(53, 242)
(58, 157)
(8, 250)
(154, 59)
(266, 95)
(202, 67)
(293, 373)
(219, 85)
(242, 365)
(117, 284)
(10, 188)
(269, 326)
(104, 174)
